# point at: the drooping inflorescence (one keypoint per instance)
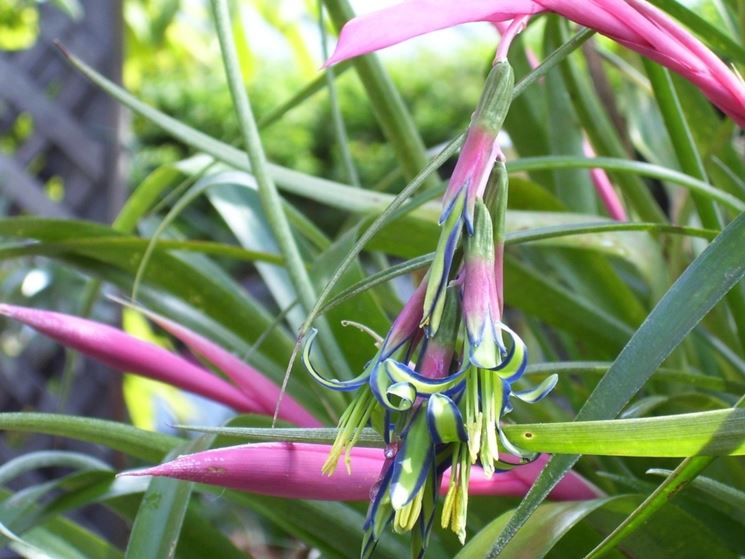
(441, 381)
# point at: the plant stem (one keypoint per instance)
(268, 193)
(387, 104)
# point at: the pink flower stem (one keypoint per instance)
(604, 188)
(516, 26)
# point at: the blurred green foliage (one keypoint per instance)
(19, 20)
(172, 63)
(440, 91)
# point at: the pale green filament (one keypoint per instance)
(352, 422)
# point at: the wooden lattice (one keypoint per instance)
(71, 150)
(67, 165)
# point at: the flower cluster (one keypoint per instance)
(441, 381)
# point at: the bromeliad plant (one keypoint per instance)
(427, 412)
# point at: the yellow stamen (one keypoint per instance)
(406, 517)
(352, 421)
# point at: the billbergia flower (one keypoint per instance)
(249, 391)
(442, 407)
(441, 382)
(468, 183)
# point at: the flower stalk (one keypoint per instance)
(440, 384)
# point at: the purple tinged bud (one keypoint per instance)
(497, 192)
(438, 354)
(436, 361)
(471, 173)
(406, 324)
(481, 149)
(496, 98)
(481, 305)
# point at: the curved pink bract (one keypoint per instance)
(258, 387)
(633, 23)
(293, 470)
(123, 352)
(409, 19)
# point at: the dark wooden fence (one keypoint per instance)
(68, 165)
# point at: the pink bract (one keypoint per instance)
(253, 383)
(125, 353)
(633, 23)
(293, 470)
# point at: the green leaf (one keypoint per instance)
(357, 345)
(713, 433)
(710, 433)
(597, 368)
(604, 137)
(157, 526)
(545, 528)
(677, 532)
(48, 458)
(62, 536)
(200, 539)
(568, 529)
(565, 134)
(682, 476)
(710, 489)
(134, 244)
(528, 288)
(240, 209)
(271, 202)
(204, 293)
(124, 438)
(625, 167)
(306, 92)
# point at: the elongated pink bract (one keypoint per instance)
(293, 470)
(634, 24)
(254, 384)
(409, 19)
(123, 352)
(604, 188)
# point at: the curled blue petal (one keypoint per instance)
(404, 393)
(537, 393)
(425, 386)
(333, 384)
(380, 384)
(524, 455)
